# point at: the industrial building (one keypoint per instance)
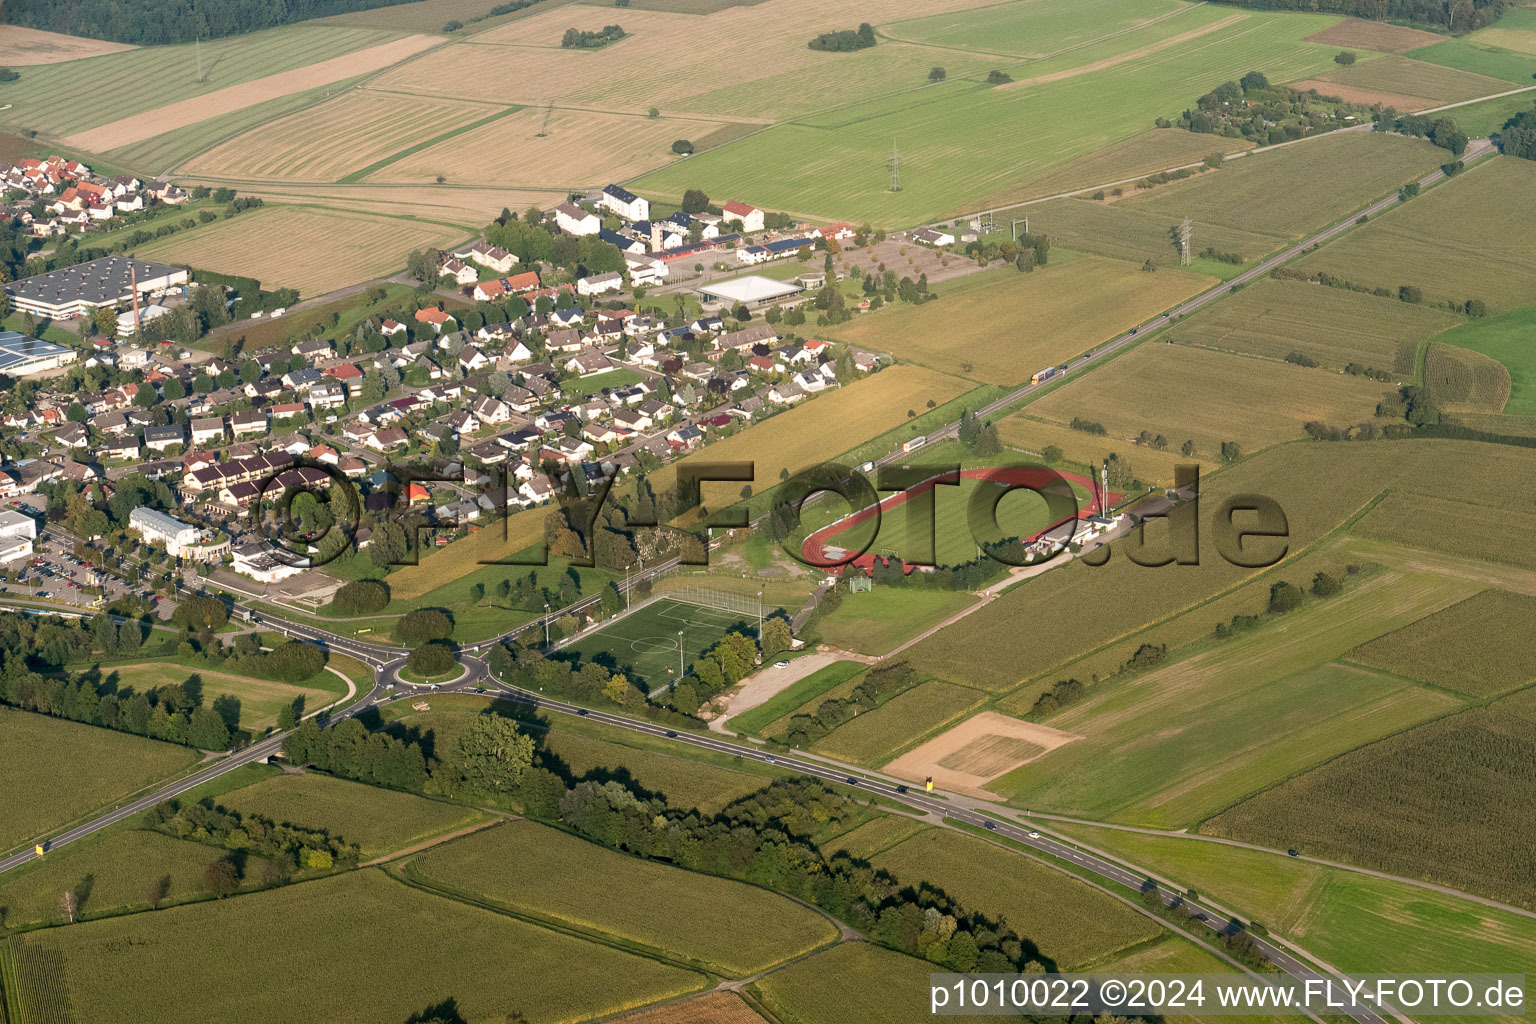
(17, 532)
(181, 540)
(751, 290)
(21, 355)
(110, 281)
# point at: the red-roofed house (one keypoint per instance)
(436, 317)
(750, 216)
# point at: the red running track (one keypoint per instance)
(814, 550)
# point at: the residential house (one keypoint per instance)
(625, 203)
(315, 349)
(574, 220)
(588, 362)
(489, 409)
(597, 284)
(386, 439)
(461, 272)
(436, 317)
(492, 256)
(242, 424)
(208, 431)
(750, 216)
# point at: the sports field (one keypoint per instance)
(311, 249)
(334, 138)
(73, 769)
(1506, 338)
(653, 645)
(1000, 326)
(47, 99)
(1271, 704)
(157, 967)
(715, 923)
(1195, 394)
(1331, 326)
(1461, 240)
(1071, 923)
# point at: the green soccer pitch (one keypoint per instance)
(646, 645)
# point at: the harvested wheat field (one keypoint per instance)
(332, 139)
(1351, 94)
(1353, 33)
(711, 1008)
(1402, 76)
(470, 207)
(558, 148)
(313, 250)
(143, 126)
(26, 47)
(981, 748)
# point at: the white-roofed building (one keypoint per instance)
(750, 290)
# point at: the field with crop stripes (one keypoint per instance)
(332, 139)
(73, 769)
(156, 967)
(1069, 922)
(1467, 774)
(713, 922)
(1331, 326)
(1507, 339)
(1433, 83)
(313, 250)
(48, 99)
(1481, 646)
(1462, 380)
(843, 983)
(874, 736)
(1032, 30)
(873, 836)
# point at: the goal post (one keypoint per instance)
(750, 605)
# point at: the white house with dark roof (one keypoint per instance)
(597, 284)
(625, 203)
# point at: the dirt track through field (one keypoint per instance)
(147, 125)
(1129, 55)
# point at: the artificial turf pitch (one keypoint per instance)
(650, 644)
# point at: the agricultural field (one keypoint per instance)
(110, 873)
(1356, 922)
(711, 1008)
(470, 206)
(1074, 104)
(886, 617)
(847, 982)
(333, 139)
(146, 125)
(1123, 230)
(259, 699)
(1481, 647)
(982, 748)
(120, 85)
(75, 769)
(652, 645)
(786, 700)
(1481, 119)
(797, 438)
(1491, 61)
(1444, 802)
(1031, 30)
(1516, 31)
(1507, 339)
(1033, 435)
(311, 249)
(873, 736)
(873, 836)
(141, 968)
(1332, 326)
(1070, 923)
(1354, 33)
(1461, 240)
(378, 820)
(420, 16)
(1015, 324)
(716, 923)
(1271, 701)
(29, 47)
(1195, 394)
(1452, 526)
(1404, 83)
(557, 149)
(1462, 380)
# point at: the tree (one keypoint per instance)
(1324, 585)
(288, 716)
(361, 597)
(1230, 452)
(423, 624)
(1284, 597)
(76, 413)
(1051, 454)
(1344, 57)
(776, 637)
(653, 113)
(695, 201)
(206, 730)
(682, 147)
(105, 319)
(1253, 81)
(937, 74)
(221, 878)
(996, 77)
(490, 756)
(431, 659)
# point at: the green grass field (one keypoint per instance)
(1030, 30)
(1444, 802)
(1479, 120)
(716, 923)
(1124, 230)
(1270, 705)
(1014, 324)
(1334, 327)
(1072, 105)
(786, 700)
(1459, 241)
(259, 699)
(1492, 61)
(74, 769)
(657, 643)
(378, 820)
(1402, 76)
(110, 873)
(47, 98)
(1507, 339)
(1071, 923)
(848, 982)
(886, 617)
(874, 737)
(873, 836)
(157, 967)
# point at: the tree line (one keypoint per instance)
(1457, 16)
(151, 23)
(845, 40)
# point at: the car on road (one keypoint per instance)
(1292, 853)
(581, 711)
(771, 759)
(989, 826)
(1034, 835)
(852, 781)
(901, 789)
(781, 664)
(671, 735)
